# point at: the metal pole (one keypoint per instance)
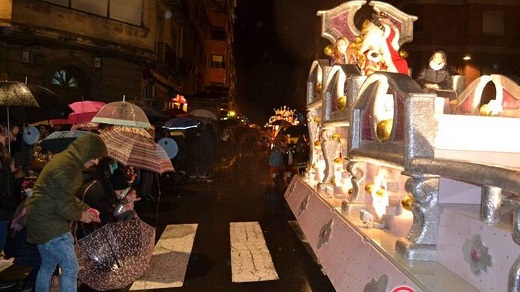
(8, 132)
(158, 199)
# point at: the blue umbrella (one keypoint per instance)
(181, 123)
(60, 140)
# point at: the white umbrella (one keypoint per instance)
(202, 113)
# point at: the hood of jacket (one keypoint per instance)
(87, 147)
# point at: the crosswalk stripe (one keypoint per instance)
(250, 258)
(170, 258)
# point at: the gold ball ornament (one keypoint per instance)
(336, 137)
(319, 87)
(407, 203)
(328, 50)
(369, 188)
(342, 102)
(384, 129)
(351, 191)
(338, 160)
(380, 193)
(404, 54)
(317, 144)
(484, 110)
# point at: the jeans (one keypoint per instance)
(3, 234)
(58, 251)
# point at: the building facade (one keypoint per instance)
(104, 50)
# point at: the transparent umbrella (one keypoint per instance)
(122, 113)
(115, 255)
(151, 112)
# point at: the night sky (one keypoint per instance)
(274, 47)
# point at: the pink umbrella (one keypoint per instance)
(84, 111)
(86, 106)
(80, 118)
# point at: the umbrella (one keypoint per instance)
(136, 150)
(115, 255)
(297, 131)
(59, 140)
(31, 103)
(84, 111)
(139, 131)
(80, 118)
(181, 123)
(202, 113)
(86, 106)
(22, 101)
(122, 113)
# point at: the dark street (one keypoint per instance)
(242, 192)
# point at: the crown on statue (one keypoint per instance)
(284, 111)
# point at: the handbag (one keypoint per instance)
(37, 164)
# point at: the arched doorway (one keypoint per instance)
(71, 84)
(72, 80)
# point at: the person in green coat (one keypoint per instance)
(54, 204)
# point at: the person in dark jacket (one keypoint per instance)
(54, 204)
(436, 75)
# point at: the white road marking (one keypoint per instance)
(170, 258)
(250, 258)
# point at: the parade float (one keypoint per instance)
(402, 192)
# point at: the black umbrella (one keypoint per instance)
(31, 103)
(297, 131)
(181, 123)
(14, 95)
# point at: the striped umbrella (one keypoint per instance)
(132, 149)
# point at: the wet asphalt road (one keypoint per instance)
(241, 193)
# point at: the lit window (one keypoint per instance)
(63, 77)
(217, 61)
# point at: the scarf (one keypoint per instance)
(437, 67)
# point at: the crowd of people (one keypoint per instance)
(286, 159)
(42, 192)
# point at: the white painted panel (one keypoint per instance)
(170, 258)
(250, 258)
